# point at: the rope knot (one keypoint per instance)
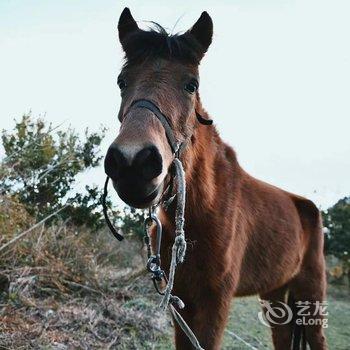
(181, 246)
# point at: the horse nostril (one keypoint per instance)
(114, 161)
(148, 162)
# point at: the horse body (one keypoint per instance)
(244, 236)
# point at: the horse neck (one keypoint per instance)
(208, 163)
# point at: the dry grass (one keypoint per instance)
(63, 288)
(13, 217)
(82, 323)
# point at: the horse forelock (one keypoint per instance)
(158, 43)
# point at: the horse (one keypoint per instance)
(244, 236)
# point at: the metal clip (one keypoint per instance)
(153, 263)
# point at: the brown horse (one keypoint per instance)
(244, 236)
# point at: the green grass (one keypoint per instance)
(244, 323)
(338, 331)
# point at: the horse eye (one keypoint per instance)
(122, 84)
(191, 87)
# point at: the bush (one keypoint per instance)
(13, 217)
(41, 165)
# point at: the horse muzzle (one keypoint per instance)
(135, 174)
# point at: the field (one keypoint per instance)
(244, 322)
(74, 297)
(66, 283)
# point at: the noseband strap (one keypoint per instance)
(176, 146)
(162, 118)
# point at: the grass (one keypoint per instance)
(338, 331)
(61, 288)
(243, 321)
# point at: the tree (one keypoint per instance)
(133, 222)
(337, 221)
(40, 168)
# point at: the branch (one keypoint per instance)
(20, 236)
(50, 130)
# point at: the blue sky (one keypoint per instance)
(276, 79)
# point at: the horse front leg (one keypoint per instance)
(207, 318)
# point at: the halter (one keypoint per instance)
(176, 148)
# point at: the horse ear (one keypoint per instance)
(202, 30)
(126, 25)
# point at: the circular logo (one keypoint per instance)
(274, 313)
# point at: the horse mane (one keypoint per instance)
(156, 42)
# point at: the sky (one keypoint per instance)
(276, 79)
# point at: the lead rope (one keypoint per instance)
(177, 256)
(185, 328)
(179, 246)
(178, 251)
